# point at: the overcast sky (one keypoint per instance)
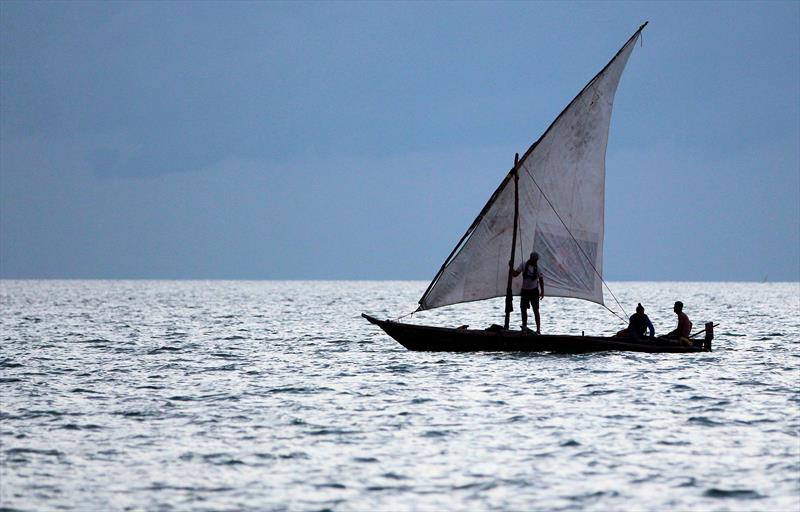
(359, 140)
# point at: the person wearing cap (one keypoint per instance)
(638, 323)
(532, 289)
(684, 328)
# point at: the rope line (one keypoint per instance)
(580, 248)
(403, 316)
(621, 319)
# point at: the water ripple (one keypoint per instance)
(240, 396)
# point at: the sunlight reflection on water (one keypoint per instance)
(278, 396)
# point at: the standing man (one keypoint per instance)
(532, 289)
(684, 324)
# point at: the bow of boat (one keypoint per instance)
(372, 319)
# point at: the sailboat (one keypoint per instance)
(552, 202)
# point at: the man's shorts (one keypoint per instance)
(530, 298)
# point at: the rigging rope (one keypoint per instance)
(581, 249)
(407, 314)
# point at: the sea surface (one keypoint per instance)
(278, 396)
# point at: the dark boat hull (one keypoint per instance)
(443, 339)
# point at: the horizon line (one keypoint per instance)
(363, 279)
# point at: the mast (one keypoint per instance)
(509, 295)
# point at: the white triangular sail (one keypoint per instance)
(561, 208)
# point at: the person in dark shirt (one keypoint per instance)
(638, 322)
(637, 325)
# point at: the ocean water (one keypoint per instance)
(211, 395)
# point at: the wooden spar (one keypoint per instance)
(509, 295)
(704, 329)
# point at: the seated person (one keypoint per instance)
(637, 324)
(684, 328)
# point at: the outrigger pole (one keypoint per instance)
(509, 294)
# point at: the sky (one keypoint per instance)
(358, 140)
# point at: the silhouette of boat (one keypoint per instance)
(444, 339)
(552, 201)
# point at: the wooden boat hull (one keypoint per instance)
(443, 339)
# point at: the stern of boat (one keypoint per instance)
(709, 336)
